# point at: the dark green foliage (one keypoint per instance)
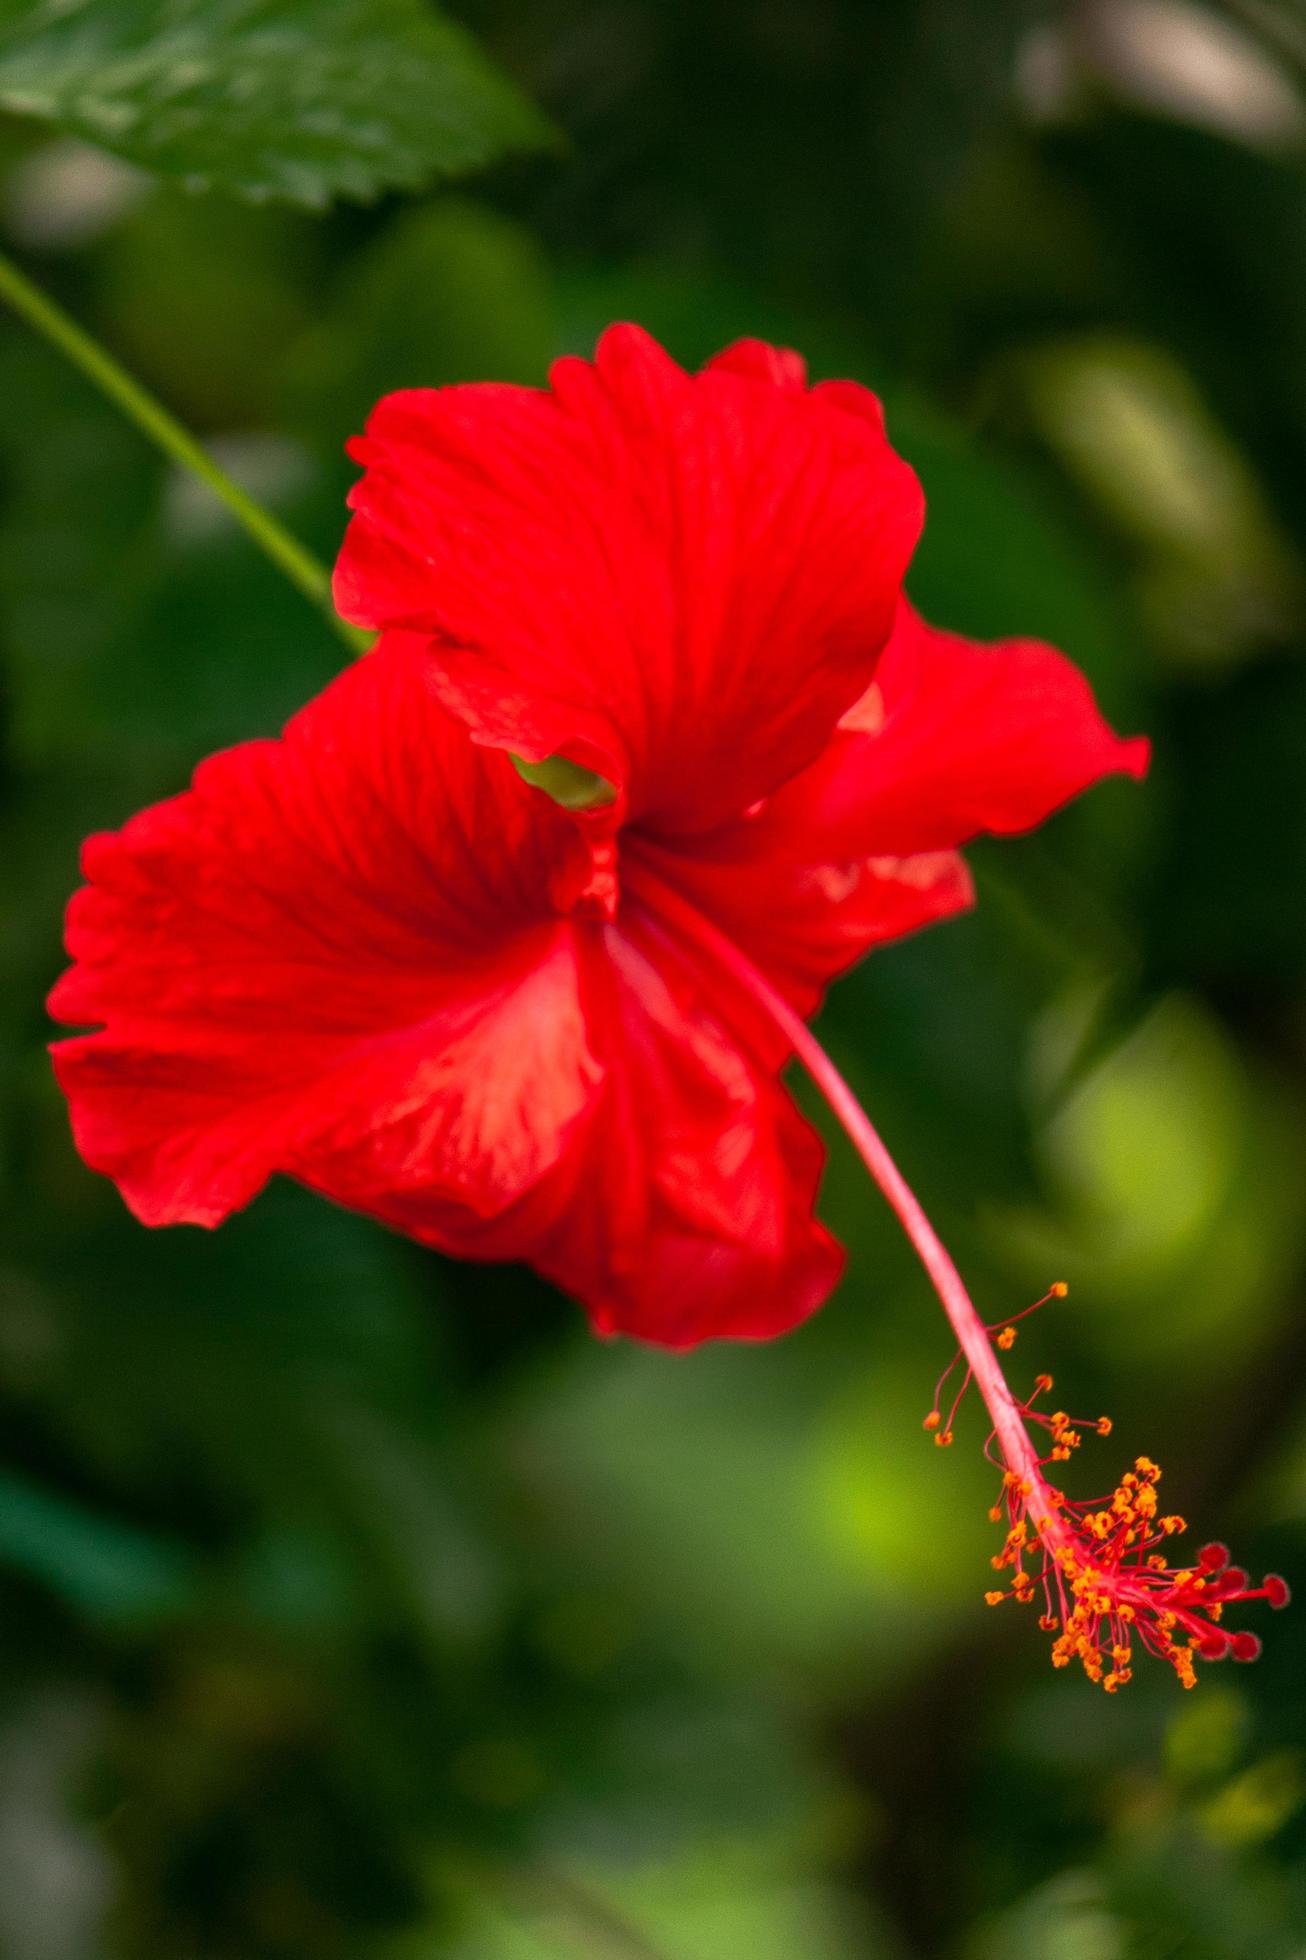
(307, 100)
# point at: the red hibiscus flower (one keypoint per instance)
(376, 955)
(371, 956)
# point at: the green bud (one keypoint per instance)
(566, 782)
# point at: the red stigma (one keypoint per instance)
(1102, 1567)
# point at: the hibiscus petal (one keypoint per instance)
(757, 360)
(333, 956)
(954, 739)
(682, 1210)
(712, 1174)
(678, 582)
(800, 916)
(950, 739)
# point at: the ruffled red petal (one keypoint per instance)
(678, 581)
(682, 1210)
(333, 956)
(953, 739)
(757, 360)
(798, 914)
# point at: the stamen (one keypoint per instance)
(1097, 1564)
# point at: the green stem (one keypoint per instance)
(306, 572)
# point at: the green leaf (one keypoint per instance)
(106, 1568)
(306, 100)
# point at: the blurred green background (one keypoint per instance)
(356, 1604)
